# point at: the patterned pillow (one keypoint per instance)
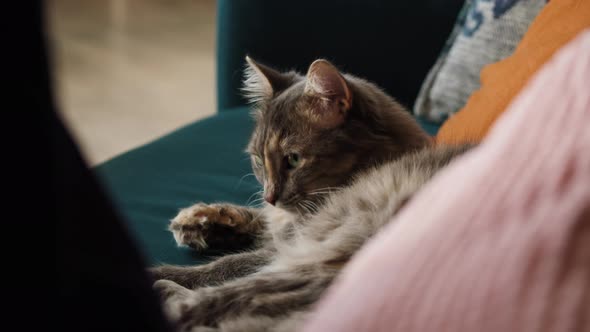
(558, 23)
(486, 31)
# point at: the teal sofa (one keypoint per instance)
(393, 43)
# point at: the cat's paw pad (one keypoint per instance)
(195, 225)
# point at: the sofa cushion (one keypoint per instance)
(204, 161)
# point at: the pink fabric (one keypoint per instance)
(498, 241)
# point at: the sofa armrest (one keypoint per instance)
(393, 43)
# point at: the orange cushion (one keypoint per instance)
(556, 24)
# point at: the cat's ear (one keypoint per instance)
(262, 82)
(330, 92)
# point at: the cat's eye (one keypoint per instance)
(292, 160)
(257, 161)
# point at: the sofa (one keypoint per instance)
(488, 256)
(392, 43)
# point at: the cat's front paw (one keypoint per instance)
(204, 225)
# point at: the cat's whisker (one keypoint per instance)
(314, 205)
(302, 204)
(297, 208)
(319, 193)
(324, 191)
(257, 202)
(254, 194)
(247, 175)
(242, 179)
(252, 198)
(257, 199)
(260, 213)
(305, 209)
(310, 207)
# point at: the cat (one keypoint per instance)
(337, 158)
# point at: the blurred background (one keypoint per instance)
(129, 71)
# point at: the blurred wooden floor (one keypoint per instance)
(129, 71)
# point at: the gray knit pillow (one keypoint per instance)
(486, 31)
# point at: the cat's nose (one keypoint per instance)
(271, 198)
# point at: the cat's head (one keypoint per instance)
(314, 132)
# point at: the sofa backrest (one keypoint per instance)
(393, 43)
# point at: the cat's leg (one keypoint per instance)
(173, 295)
(269, 295)
(218, 226)
(224, 269)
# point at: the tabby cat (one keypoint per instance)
(337, 157)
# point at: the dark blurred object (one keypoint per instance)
(101, 284)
